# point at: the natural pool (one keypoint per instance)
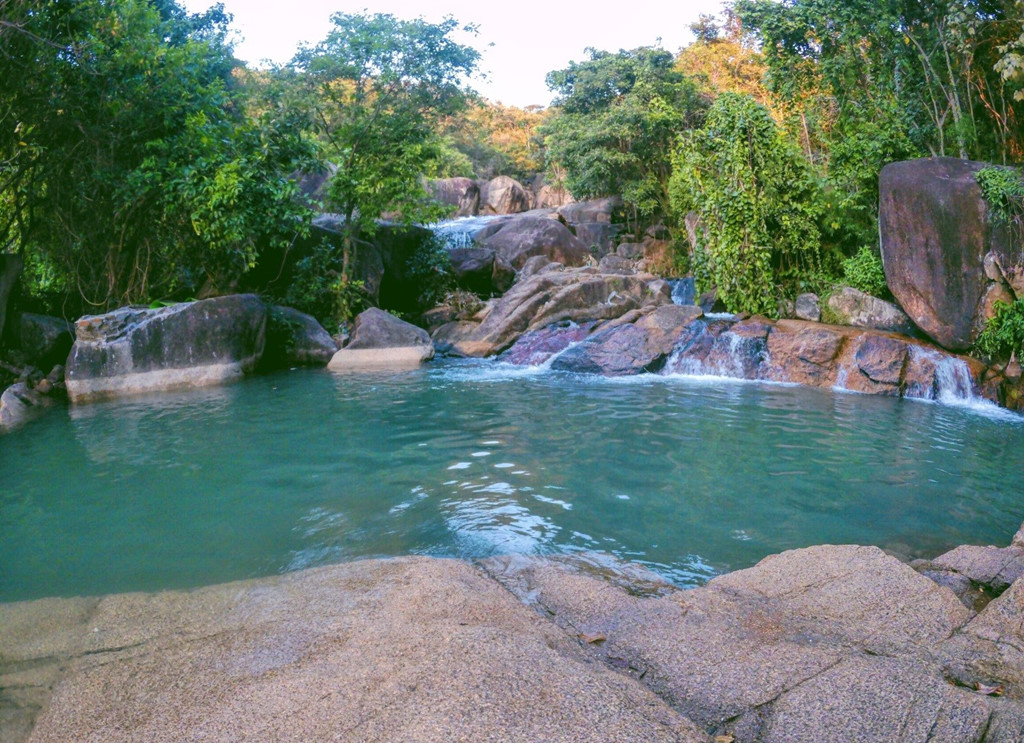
(691, 477)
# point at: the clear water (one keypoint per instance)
(691, 477)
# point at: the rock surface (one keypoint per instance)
(481, 270)
(45, 340)
(517, 240)
(505, 195)
(936, 238)
(192, 344)
(807, 307)
(382, 341)
(416, 649)
(854, 307)
(462, 193)
(19, 403)
(296, 339)
(10, 269)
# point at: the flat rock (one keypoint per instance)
(414, 649)
(382, 341)
(854, 307)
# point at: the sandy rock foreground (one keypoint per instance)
(821, 644)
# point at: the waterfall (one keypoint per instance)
(459, 232)
(683, 290)
(727, 355)
(952, 377)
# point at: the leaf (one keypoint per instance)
(593, 639)
(725, 739)
(991, 691)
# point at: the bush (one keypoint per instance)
(319, 289)
(430, 271)
(864, 271)
(1004, 333)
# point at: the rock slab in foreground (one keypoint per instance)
(382, 341)
(414, 649)
(192, 344)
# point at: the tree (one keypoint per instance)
(376, 88)
(757, 201)
(618, 115)
(127, 170)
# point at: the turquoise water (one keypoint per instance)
(690, 477)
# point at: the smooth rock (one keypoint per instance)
(192, 344)
(594, 210)
(854, 307)
(296, 339)
(598, 237)
(462, 193)
(936, 235)
(19, 403)
(481, 270)
(517, 240)
(505, 195)
(807, 307)
(45, 340)
(382, 341)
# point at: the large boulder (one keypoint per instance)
(380, 340)
(10, 269)
(19, 403)
(192, 344)
(853, 307)
(595, 210)
(505, 195)
(462, 193)
(296, 339)
(45, 340)
(517, 240)
(481, 270)
(937, 238)
(575, 295)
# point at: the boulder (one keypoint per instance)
(481, 270)
(505, 195)
(807, 307)
(517, 240)
(45, 340)
(192, 344)
(19, 403)
(599, 237)
(538, 264)
(853, 307)
(616, 264)
(380, 340)
(549, 297)
(462, 193)
(295, 339)
(539, 346)
(595, 210)
(10, 269)
(936, 236)
(548, 197)
(632, 348)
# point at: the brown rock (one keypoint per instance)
(517, 240)
(854, 307)
(505, 195)
(879, 362)
(935, 235)
(803, 353)
(381, 340)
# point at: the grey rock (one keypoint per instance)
(505, 195)
(616, 264)
(808, 307)
(192, 344)
(19, 404)
(595, 210)
(598, 237)
(296, 339)
(381, 340)
(854, 307)
(481, 270)
(538, 264)
(517, 240)
(633, 251)
(993, 567)
(45, 340)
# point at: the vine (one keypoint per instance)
(1003, 190)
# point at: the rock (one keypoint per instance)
(10, 269)
(45, 340)
(481, 270)
(505, 195)
(995, 568)
(538, 346)
(632, 251)
(633, 348)
(517, 240)
(804, 354)
(616, 264)
(192, 344)
(578, 295)
(879, 360)
(411, 649)
(296, 339)
(807, 307)
(599, 237)
(538, 264)
(548, 196)
(595, 210)
(462, 193)
(382, 341)
(936, 237)
(19, 403)
(854, 307)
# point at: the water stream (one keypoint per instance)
(691, 477)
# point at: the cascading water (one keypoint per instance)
(952, 378)
(684, 291)
(459, 232)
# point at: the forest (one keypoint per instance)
(141, 162)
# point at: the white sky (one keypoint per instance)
(528, 40)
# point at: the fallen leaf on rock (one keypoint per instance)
(591, 639)
(725, 739)
(992, 691)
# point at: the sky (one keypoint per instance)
(519, 43)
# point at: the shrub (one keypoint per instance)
(1004, 333)
(864, 271)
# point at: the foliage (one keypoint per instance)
(723, 60)
(318, 288)
(430, 270)
(127, 169)
(1003, 189)
(464, 303)
(758, 204)
(863, 271)
(376, 88)
(1004, 333)
(498, 140)
(618, 115)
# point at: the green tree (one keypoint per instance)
(376, 89)
(127, 169)
(618, 115)
(758, 204)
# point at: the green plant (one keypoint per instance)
(1003, 189)
(1004, 332)
(864, 271)
(464, 303)
(320, 289)
(430, 271)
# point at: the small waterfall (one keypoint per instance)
(725, 355)
(684, 290)
(951, 377)
(459, 232)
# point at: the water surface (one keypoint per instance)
(690, 477)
